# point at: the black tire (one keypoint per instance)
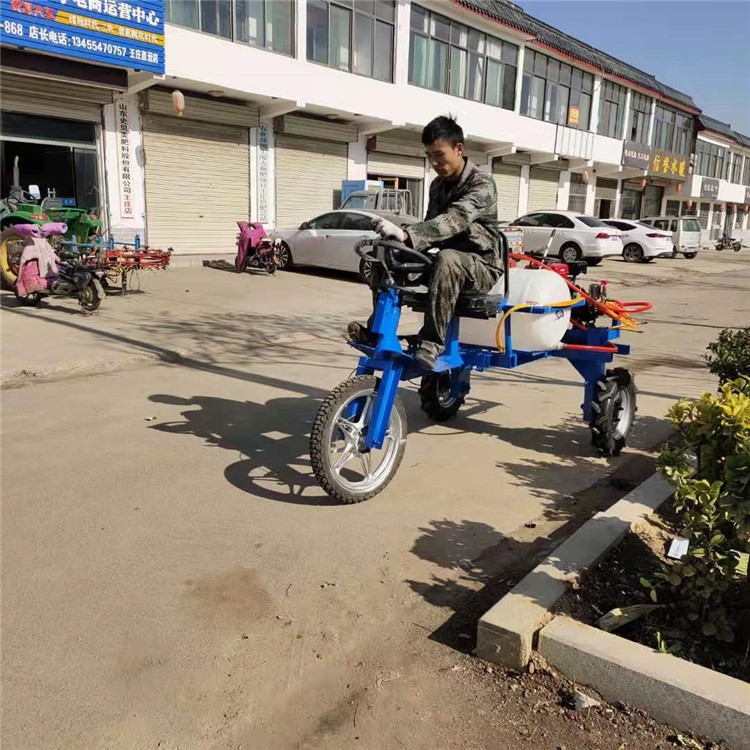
(594, 261)
(30, 300)
(284, 261)
(736, 248)
(323, 433)
(89, 298)
(614, 409)
(9, 260)
(690, 256)
(570, 252)
(365, 271)
(270, 264)
(633, 253)
(435, 393)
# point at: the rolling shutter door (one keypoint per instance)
(59, 99)
(542, 189)
(395, 165)
(197, 184)
(309, 174)
(508, 181)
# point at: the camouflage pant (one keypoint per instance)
(452, 272)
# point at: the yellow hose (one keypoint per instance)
(500, 330)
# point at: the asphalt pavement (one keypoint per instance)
(172, 576)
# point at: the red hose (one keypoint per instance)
(619, 307)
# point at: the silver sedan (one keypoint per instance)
(328, 240)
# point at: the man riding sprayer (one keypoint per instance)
(460, 215)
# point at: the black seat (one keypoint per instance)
(469, 304)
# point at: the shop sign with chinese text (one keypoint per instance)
(709, 188)
(124, 160)
(668, 165)
(125, 33)
(635, 155)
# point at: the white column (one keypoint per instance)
(265, 174)
(357, 162)
(124, 167)
(253, 174)
(626, 114)
(595, 99)
(590, 196)
(300, 27)
(519, 79)
(617, 210)
(651, 123)
(428, 177)
(523, 192)
(563, 191)
(403, 26)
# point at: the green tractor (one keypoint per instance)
(22, 207)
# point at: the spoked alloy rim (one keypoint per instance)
(356, 468)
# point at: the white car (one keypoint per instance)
(641, 242)
(328, 240)
(577, 236)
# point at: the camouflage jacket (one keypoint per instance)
(461, 215)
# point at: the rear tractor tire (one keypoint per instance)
(443, 393)
(614, 409)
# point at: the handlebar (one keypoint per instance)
(385, 252)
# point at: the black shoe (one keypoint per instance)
(426, 357)
(356, 333)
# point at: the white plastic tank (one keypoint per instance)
(530, 332)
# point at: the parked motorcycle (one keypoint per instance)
(21, 208)
(255, 249)
(726, 242)
(42, 272)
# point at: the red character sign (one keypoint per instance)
(31, 9)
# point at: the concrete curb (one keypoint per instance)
(669, 689)
(506, 633)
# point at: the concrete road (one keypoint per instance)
(173, 577)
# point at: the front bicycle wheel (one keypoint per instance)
(347, 470)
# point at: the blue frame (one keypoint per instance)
(394, 364)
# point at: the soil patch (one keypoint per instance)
(616, 582)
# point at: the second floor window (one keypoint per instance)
(555, 91)
(261, 23)
(453, 58)
(746, 175)
(611, 109)
(737, 169)
(672, 130)
(352, 35)
(711, 160)
(640, 117)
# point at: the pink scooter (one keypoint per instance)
(255, 249)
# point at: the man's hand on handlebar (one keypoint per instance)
(389, 231)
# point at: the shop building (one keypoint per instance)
(346, 88)
(281, 101)
(69, 122)
(718, 192)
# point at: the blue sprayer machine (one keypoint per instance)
(534, 312)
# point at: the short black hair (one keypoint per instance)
(443, 128)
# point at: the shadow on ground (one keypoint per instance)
(477, 565)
